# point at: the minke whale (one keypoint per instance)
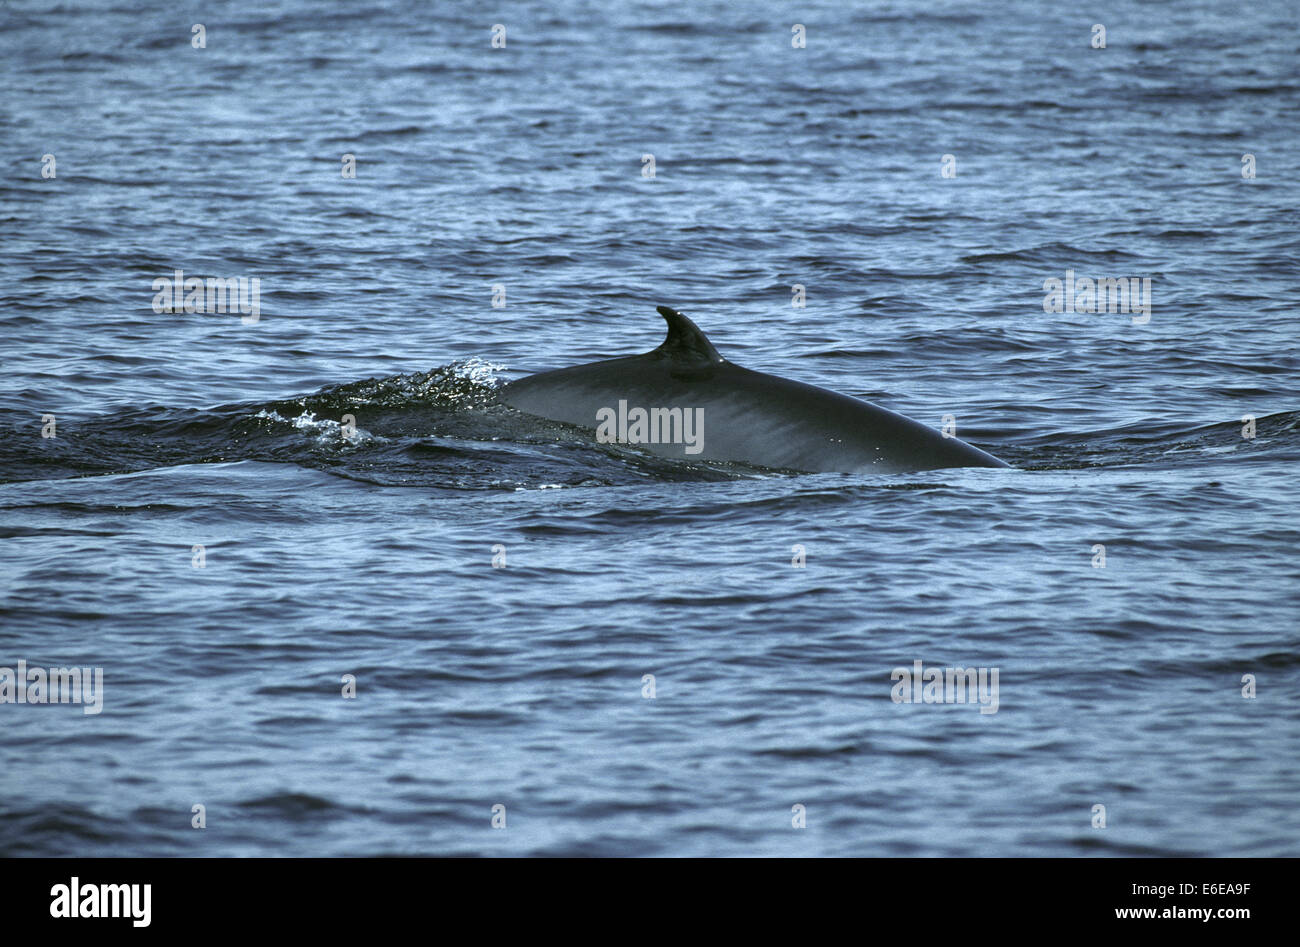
(686, 401)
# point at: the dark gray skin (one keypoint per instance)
(749, 417)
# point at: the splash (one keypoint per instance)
(469, 382)
(328, 431)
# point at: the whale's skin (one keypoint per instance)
(748, 417)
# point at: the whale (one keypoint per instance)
(683, 400)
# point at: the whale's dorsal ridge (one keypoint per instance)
(685, 342)
(757, 419)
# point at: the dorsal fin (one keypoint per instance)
(685, 342)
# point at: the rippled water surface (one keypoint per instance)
(329, 551)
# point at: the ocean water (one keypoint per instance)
(920, 170)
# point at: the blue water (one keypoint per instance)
(328, 553)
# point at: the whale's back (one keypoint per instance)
(743, 416)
